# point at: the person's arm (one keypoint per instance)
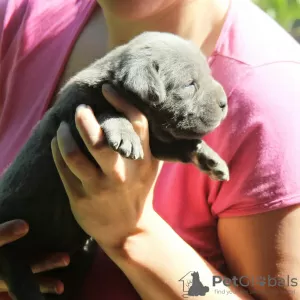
(264, 245)
(114, 206)
(258, 227)
(264, 177)
(155, 260)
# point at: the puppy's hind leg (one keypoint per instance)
(192, 151)
(18, 276)
(208, 161)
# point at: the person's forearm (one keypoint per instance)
(156, 259)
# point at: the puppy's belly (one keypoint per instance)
(52, 225)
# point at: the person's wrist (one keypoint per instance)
(136, 244)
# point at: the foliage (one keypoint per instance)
(285, 12)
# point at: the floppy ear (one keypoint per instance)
(141, 77)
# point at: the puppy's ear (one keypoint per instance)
(143, 79)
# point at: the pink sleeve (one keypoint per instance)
(262, 143)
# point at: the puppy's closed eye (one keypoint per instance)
(191, 86)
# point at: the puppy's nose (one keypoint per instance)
(222, 102)
(220, 96)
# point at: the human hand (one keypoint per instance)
(115, 202)
(13, 230)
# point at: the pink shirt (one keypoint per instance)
(257, 63)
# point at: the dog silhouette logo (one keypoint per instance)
(192, 286)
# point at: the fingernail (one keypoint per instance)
(59, 288)
(19, 228)
(61, 260)
(54, 288)
(86, 110)
(66, 261)
(109, 89)
(82, 106)
(64, 135)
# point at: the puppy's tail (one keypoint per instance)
(18, 276)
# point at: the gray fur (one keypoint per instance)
(166, 78)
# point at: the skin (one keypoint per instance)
(134, 236)
(16, 229)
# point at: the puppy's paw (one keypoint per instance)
(210, 162)
(121, 137)
(125, 142)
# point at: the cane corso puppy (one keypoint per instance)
(168, 79)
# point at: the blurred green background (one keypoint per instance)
(285, 12)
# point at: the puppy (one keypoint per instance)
(168, 80)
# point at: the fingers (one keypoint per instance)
(137, 119)
(53, 261)
(73, 165)
(12, 230)
(51, 286)
(3, 287)
(71, 183)
(76, 163)
(110, 161)
(15, 229)
(47, 285)
(94, 139)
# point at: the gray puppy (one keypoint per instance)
(165, 77)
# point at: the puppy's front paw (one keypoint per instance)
(210, 162)
(121, 136)
(125, 142)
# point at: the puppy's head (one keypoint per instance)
(169, 80)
